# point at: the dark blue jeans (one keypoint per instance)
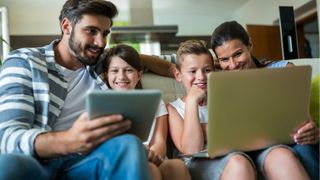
(309, 157)
(18, 166)
(122, 157)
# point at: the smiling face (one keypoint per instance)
(234, 55)
(194, 71)
(122, 76)
(88, 38)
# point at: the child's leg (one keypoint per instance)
(174, 169)
(238, 167)
(281, 163)
(154, 171)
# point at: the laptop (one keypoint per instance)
(140, 106)
(255, 108)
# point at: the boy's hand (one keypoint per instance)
(197, 94)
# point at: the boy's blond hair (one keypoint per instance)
(191, 47)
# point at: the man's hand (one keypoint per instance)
(82, 137)
(87, 134)
(307, 134)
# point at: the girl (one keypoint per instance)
(123, 72)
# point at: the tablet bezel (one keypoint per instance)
(140, 106)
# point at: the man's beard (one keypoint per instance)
(77, 50)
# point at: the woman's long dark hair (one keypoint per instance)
(228, 31)
(128, 54)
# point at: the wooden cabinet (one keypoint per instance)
(266, 41)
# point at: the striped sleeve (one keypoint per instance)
(17, 108)
(171, 58)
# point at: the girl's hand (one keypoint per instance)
(154, 157)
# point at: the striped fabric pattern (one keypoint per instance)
(278, 64)
(170, 58)
(32, 93)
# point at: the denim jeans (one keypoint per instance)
(18, 166)
(122, 157)
(309, 157)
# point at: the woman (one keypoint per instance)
(233, 49)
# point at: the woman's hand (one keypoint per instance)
(307, 134)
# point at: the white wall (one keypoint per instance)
(193, 17)
(263, 12)
(33, 17)
(40, 17)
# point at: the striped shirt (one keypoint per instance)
(32, 94)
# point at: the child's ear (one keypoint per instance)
(177, 74)
(140, 73)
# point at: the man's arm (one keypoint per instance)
(17, 107)
(157, 65)
(82, 137)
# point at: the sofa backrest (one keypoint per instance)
(170, 88)
(313, 62)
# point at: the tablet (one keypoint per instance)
(140, 106)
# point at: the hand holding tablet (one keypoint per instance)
(140, 106)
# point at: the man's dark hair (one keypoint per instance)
(74, 9)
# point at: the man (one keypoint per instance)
(42, 104)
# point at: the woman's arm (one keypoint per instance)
(309, 132)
